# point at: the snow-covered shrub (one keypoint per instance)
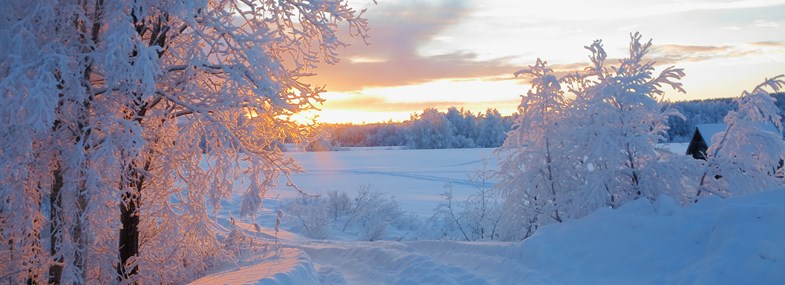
(367, 215)
(238, 242)
(476, 218)
(482, 212)
(311, 212)
(748, 156)
(371, 212)
(339, 203)
(446, 220)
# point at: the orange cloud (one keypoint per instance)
(392, 59)
(382, 105)
(675, 54)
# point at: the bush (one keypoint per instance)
(368, 215)
(312, 214)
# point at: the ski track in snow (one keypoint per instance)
(463, 182)
(465, 163)
(424, 262)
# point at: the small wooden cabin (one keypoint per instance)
(701, 139)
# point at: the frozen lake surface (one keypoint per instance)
(415, 177)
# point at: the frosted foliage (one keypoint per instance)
(567, 158)
(748, 155)
(367, 215)
(429, 130)
(150, 110)
(619, 116)
(532, 174)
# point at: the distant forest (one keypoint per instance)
(431, 129)
(459, 128)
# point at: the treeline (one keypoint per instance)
(708, 111)
(460, 128)
(431, 129)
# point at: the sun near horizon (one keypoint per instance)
(463, 53)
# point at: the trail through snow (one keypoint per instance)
(389, 262)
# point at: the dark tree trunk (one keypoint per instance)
(129, 208)
(129, 235)
(56, 204)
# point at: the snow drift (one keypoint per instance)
(733, 241)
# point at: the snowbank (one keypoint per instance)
(735, 241)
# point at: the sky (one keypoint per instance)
(463, 53)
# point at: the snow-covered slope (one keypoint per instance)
(735, 241)
(740, 240)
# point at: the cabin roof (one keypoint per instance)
(707, 131)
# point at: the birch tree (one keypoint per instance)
(619, 115)
(533, 176)
(109, 108)
(569, 157)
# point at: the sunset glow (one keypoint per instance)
(463, 53)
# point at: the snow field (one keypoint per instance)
(414, 177)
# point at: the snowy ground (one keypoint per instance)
(414, 177)
(733, 241)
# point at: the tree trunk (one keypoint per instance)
(129, 217)
(129, 235)
(55, 214)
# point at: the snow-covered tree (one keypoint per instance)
(105, 106)
(429, 130)
(617, 118)
(748, 156)
(567, 158)
(462, 127)
(533, 172)
(491, 129)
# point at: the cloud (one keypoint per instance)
(675, 54)
(731, 28)
(398, 30)
(382, 105)
(769, 44)
(377, 104)
(766, 24)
